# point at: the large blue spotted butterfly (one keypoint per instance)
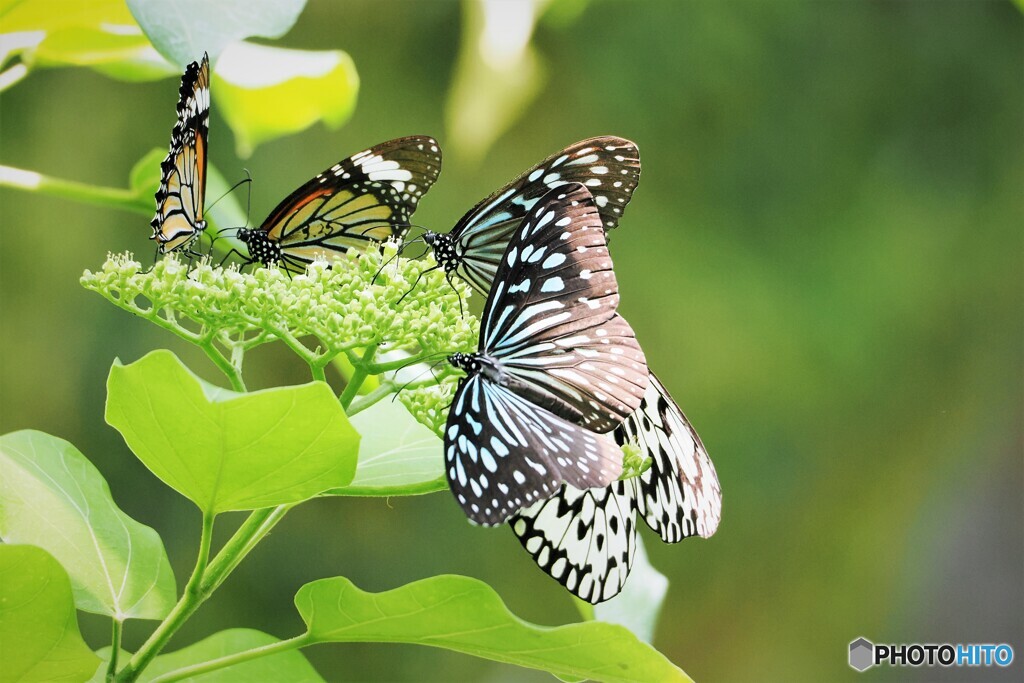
(608, 166)
(556, 367)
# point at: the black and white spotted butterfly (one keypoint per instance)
(608, 166)
(555, 364)
(361, 201)
(586, 539)
(182, 191)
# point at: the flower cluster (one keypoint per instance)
(367, 306)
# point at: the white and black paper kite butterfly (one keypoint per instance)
(361, 201)
(608, 166)
(555, 364)
(586, 539)
(182, 191)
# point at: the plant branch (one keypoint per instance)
(236, 658)
(226, 366)
(359, 375)
(189, 602)
(256, 526)
(117, 198)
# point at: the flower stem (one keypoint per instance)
(189, 602)
(236, 658)
(70, 189)
(115, 648)
(226, 366)
(359, 375)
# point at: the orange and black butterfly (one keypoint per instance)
(179, 200)
(360, 201)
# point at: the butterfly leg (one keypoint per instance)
(417, 281)
(448, 279)
(245, 259)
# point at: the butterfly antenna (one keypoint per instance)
(246, 181)
(418, 375)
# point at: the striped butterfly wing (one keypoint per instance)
(364, 200)
(180, 197)
(586, 539)
(608, 166)
(551, 316)
(680, 493)
(503, 453)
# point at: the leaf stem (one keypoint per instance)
(69, 189)
(115, 648)
(236, 658)
(256, 526)
(189, 602)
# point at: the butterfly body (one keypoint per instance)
(556, 365)
(359, 202)
(181, 196)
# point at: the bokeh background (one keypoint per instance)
(823, 261)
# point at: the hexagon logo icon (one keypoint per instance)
(862, 653)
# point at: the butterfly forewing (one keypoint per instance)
(502, 453)
(678, 496)
(551, 315)
(180, 197)
(608, 166)
(363, 200)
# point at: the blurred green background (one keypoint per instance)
(823, 261)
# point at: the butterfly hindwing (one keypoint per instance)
(608, 166)
(551, 315)
(680, 493)
(584, 539)
(363, 200)
(502, 453)
(181, 195)
(678, 496)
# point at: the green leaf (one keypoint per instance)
(144, 178)
(266, 92)
(125, 54)
(183, 29)
(229, 451)
(38, 629)
(463, 614)
(53, 15)
(51, 496)
(638, 605)
(289, 666)
(397, 455)
(498, 74)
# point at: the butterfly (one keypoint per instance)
(365, 199)
(556, 368)
(586, 539)
(608, 166)
(179, 199)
